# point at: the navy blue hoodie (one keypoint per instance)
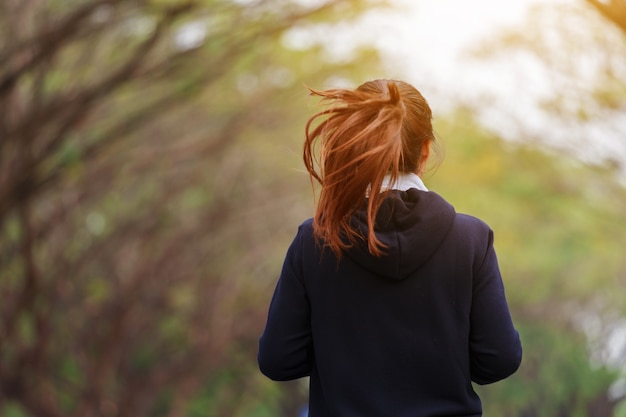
(396, 336)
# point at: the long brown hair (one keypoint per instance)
(365, 134)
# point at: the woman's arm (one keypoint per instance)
(495, 346)
(285, 347)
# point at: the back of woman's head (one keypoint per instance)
(378, 129)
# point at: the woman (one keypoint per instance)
(388, 299)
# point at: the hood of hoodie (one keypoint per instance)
(412, 224)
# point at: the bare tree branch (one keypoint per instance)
(111, 132)
(46, 43)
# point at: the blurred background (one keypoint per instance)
(151, 181)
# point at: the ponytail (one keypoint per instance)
(362, 137)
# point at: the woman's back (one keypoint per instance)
(399, 339)
(388, 299)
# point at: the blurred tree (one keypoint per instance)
(570, 61)
(567, 61)
(558, 213)
(559, 234)
(140, 210)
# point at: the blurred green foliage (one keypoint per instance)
(559, 233)
(143, 211)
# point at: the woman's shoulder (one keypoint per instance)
(472, 230)
(306, 227)
(468, 220)
(305, 235)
